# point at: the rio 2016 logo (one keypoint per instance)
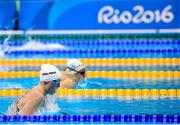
(109, 15)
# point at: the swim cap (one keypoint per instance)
(74, 66)
(49, 72)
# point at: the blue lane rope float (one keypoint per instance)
(171, 52)
(94, 118)
(103, 42)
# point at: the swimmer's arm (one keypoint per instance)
(31, 105)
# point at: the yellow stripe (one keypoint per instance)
(96, 62)
(105, 92)
(107, 74)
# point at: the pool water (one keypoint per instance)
(108, 106)
(98, 48)
(98, 83)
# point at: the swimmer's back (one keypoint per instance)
(27, 103)
(29, 97)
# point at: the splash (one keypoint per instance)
(87, 84)
(4, 68)
(31, 45)
(1, 53)
(12, 86)
(36, 45)
(4, 47)
(50, 106)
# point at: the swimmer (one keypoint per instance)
(34, 98)
(74, 72)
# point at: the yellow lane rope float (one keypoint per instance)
(104, 92)
(97, 62)
(106, 74)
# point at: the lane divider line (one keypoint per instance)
(171, 119)
(97, 62)
(141, 93)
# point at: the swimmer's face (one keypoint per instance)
(52, 86)
(83, 73)
(80, 75)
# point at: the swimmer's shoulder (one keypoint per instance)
(32, 96)
(35, 93)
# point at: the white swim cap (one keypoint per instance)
(49, 72)
(74, 66)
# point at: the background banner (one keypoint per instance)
(91, 14)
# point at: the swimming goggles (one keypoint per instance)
(56, 83)
(82, 72)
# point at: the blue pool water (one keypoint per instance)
(109, 106)
(97, 83)
(125, 48)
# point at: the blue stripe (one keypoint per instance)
(124, 43)
(123, 53)
(95, 118)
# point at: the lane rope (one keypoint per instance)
(96, 62)
(94, 118)
(147, 93)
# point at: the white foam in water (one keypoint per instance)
(3, 68)
(50, 106)
(17, 86)
(36, 45)
(95, 83)
(1, 53)
(85, 83)
(11, 86)
(50, 103)
(4, 46)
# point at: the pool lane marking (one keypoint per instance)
(97, 62)
(152, 75)
(97, 119)
(141, 93)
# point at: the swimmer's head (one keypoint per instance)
(50, 76)
(76, 68)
